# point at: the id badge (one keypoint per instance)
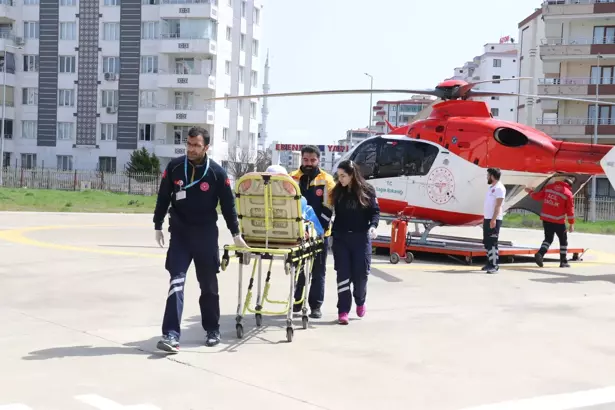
(180, 195)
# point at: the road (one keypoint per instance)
(82, 297)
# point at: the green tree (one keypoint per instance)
(143, 165)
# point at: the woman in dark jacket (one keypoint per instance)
(356, 218)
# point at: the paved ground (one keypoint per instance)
(80, 311)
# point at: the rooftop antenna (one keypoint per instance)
(265, 111)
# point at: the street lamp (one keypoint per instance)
(371, 87)
(3, 113)
(595, 141)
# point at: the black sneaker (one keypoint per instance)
(213, 338)
(564, 265)
(168, 344)
(316, 313)
(486, 267)
(539, 260)
(493, 269)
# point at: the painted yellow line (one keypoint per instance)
(20, 236)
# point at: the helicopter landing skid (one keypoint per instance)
(460, 249)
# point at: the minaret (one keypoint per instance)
(262, 138)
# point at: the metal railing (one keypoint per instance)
(567, 2)
(576, 81)
(574, 121)
(42, 178)
(577, 41)
(181, 36)
(186, 107)
(187, 2)
(605, 208)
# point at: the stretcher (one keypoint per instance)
(272, 225)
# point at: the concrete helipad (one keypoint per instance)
(82, 297)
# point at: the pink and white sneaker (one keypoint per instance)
(343, 318)
(361, 311)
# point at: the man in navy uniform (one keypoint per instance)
(192, 185)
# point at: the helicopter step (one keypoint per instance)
(402, 244)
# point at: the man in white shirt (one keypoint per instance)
(493, 218)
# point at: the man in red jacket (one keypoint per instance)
(557, 202)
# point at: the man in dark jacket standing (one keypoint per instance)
(192, 185)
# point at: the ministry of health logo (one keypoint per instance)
(440, 185)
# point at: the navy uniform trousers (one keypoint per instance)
(491, 237)
(201, 246)
(352, 253)
(317, 287)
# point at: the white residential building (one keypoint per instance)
(117, 75)
(398, 113)
(499, 60)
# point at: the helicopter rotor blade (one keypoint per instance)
(544, 97)
(435, 93)
(463, 90)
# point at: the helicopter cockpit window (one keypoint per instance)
(407, 158)
(365, 156)
(419, 158)
(391, 159)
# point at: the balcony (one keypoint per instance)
(186, 44)
(577, 9)
(575, 127)
(576, 86)
(181, 79)
(185, 114)
(164, 149)
(181, 9)
(8, 40)
(577, 48)
(9, 11)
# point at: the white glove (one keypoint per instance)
(239, 242)
(160, 238)
(372, 233)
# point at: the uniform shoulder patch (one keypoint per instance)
(227, 182)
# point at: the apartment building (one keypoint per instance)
(499, 60)
(531, 33)
(398, 113)
(90, 81)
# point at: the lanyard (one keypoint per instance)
(186, 173)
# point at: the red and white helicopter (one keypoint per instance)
(434, 169)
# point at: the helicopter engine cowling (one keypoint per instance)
(510, 137)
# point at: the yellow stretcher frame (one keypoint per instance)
(294, 255)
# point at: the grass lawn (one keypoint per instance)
(534, 222)
(47, 200)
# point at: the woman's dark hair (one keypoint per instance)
(358, 186)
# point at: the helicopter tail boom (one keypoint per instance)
(608, 165)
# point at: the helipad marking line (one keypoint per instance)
(565, 401)
(18, 236)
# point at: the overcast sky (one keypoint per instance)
(330, 44)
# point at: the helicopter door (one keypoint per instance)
(391, 177)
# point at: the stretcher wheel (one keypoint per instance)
(409, 257)
(304, 322)
(468, 260)
(575, 256)
(259, 319)
(224, 263)
(239, 328)
(394, 258)
(290, 332)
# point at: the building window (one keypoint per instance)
(606, 114)
(242, 42)
(252, 110)
(66, 98)
(229, 33)
(28, 129)
(147, 132)
(30, 63)
(255, 48)
(150, 30)
(149, 64)
(185, 66)
(150, 2)
(112, 2)
(495, 112)
(226, 101)
(67, 64)
(147, 99)
(243, 9)
(224, 134)
(239, 107)
(6, 160)
(111, 65)
(256, 16)
(602, 74)
(254, 78)
(65, 130)
(109, 98)
(28, 161)
(68, 31)
(240, 75)
(68, 3)
(107, 164)
(65, 162)
(497, 62)
(30, 29)
(604, 35)
(227, 67)
(29, 96)
(108, 132)
(111, 31)
(30, 2)
(496, 77)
